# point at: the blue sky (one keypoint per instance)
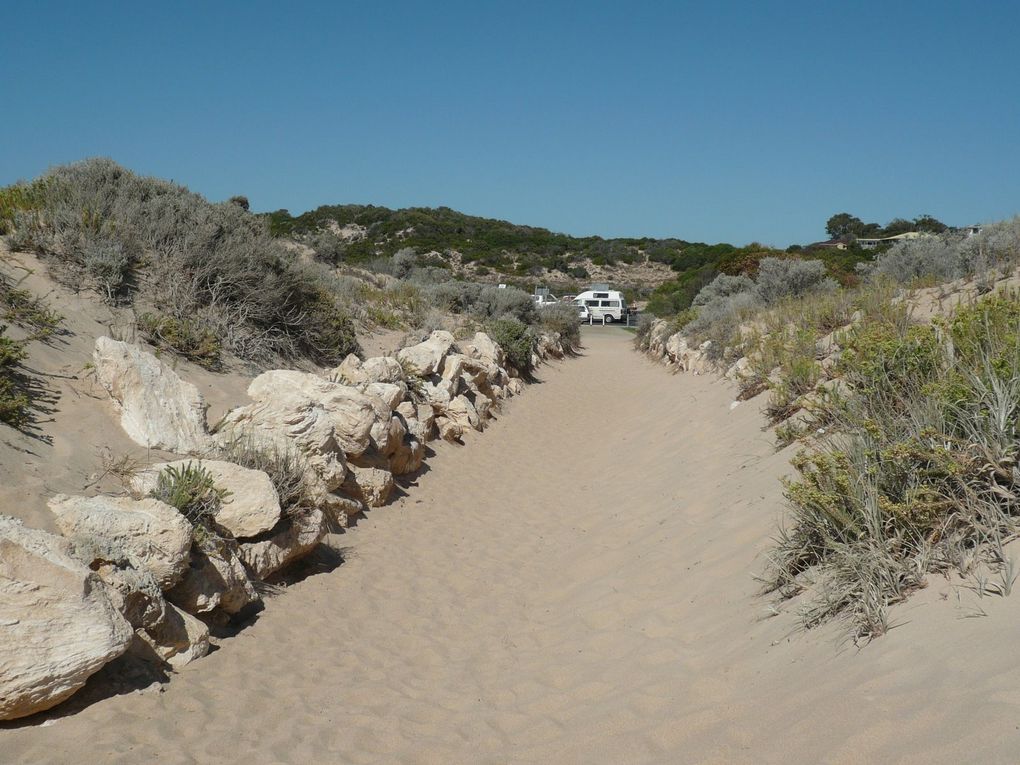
(711, 121)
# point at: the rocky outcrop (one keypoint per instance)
(58, 625)
(215, 578)
(158, 409)
(293, 537)
(426, 358)
(135, 572)
(250, 506)
(150, 531)
(178, 639)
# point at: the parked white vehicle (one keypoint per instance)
(608, 304)
(583, 313)
(543, 300)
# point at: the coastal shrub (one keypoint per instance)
(722, 287)
(24, 309)
(192, 491)
(922, 474)
(497, 303)
(95, 221)
(515, 338)
(562, 318)
(283, 466)
(780, 278)
(183, 337)
(14, 402)
(949, 256)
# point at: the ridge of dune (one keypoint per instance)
(575, 587)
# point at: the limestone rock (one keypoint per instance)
(515, 386)
(150, 531)
(370, 481)
(295, 535)
(252, 505)
(158, 409)
(178, 640)
(383, 369)
(426, 358)
(483, 347)
(214, 579)
(57, 623)
(132, 588)
(448, 429)
(463, 412)
(390, 393)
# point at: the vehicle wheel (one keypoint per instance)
(609, 319)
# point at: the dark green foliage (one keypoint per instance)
(515, 338)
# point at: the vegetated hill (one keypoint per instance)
(669, 271)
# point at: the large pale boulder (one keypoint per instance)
(383, 369)
(419, 420)
(295, 535)
(178, 640)
(426, 358)
(251, 505)
(462, 412)
(58, 625)
(321, 417)
(370, 480)
(158, 409)
(215, 578)
(407, 457)
(515, 386)
(150, 531)
(132, 588)
(389, 393)
(448, 429)
(483, 347)
(350, 371)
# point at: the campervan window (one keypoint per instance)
(601, 294)
(592, 303)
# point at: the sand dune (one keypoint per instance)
(574, 586)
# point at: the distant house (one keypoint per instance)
(835, 244)
(969, 231)
(870, 243)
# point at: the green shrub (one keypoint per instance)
(516, 339)
(922, 474)
(14, 403)
(21, 307)
(192, 491)
(562, 318)
(183, 337)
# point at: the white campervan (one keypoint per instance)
(608, 304)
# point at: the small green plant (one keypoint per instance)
(21, 307)
(414, 381)
(516, 339)
(14, 402)
(283, 466)
(183, 337)
(192, 491)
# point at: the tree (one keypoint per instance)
(843, 225)
(929, 224)
(240, 201)
(897, 226)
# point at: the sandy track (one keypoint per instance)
(574, 586)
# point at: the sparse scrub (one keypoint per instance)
(498, 303)
(515, 338)
(24, 309)
(183, 337)
(281, 465)
(14, 403)
(562, 319)
(922, 475)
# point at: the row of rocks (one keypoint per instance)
(131, 573)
